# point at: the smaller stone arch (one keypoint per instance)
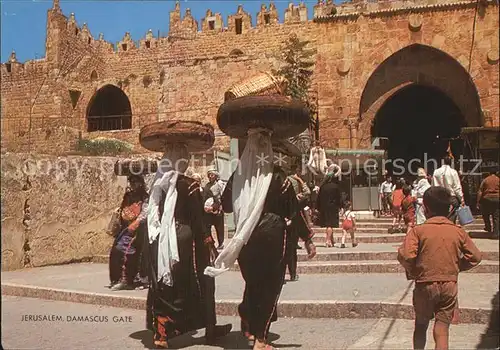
(236, 53)
(109, 109)
(93, 76)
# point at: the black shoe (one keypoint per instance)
(294, 278)
(212, 333)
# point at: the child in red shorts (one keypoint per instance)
(430, 256)
(408, 208)
(397, 199)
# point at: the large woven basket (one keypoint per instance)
(262, 84)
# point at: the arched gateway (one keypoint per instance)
(109, 109)
(419, 98)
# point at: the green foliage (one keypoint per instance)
(297, 67)
(103, 146)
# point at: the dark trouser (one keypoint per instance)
(386, 202)
(218, 222)
(122, 261)
(262, 266)
(142, 241)
(490, 207)
(291, 252)
(180, 308)
(455, 203)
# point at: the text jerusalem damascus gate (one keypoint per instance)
(312, 175)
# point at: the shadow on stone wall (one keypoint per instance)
(56, 209)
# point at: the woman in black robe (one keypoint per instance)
(188, 304)
(328, 205)
(262, 260)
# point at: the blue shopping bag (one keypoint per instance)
(464, 215)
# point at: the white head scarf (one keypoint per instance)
(251, 182)
(174, 161)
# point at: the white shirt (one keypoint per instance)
(387, 187)
(447, 177)
(349, 215)
(422, 186)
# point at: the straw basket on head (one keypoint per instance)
(262, 84)
(259, 103)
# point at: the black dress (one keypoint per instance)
(262, 259)
(328, 203)
(190, 303)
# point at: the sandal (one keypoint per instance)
(161, 344)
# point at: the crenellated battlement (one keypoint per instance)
(61, 28)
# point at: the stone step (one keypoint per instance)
(387, 225)
(369, 238)
(312, 296)
(373, 252)
(372, 266)
(382, 230)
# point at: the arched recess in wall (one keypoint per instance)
(109, 109)
(423, 65)
(93, 76)
(419, 98)
(236, 52)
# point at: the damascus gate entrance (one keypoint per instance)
(418, 100)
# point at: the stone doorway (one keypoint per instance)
(419, 122)
(109, 109)
(419, 98)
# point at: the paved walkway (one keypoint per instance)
(287, 333)
(475, 290)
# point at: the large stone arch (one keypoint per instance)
(423, 65)
(109, 109)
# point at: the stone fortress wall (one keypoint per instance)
(366, 51)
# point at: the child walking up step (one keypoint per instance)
(397, 199)
(348, 224)
(408, 208)
(433, 254)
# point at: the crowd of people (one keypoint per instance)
(419, 206)
(404, 202)
(163, 239)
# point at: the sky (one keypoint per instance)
(23, 22)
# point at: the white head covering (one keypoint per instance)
(421, 172)
(251, 182)
(174, 161)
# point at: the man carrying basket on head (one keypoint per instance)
(262, 199)
(181, 298)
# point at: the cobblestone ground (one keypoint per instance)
(124, 329)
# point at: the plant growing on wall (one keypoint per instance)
(296, 66)
(103, 146)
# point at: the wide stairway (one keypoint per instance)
(365, 282)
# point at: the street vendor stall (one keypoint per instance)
(361, 175)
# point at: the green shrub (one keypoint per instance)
(103, 146)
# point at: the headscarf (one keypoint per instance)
(173, 163)
(251, 181)
(215, 172)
